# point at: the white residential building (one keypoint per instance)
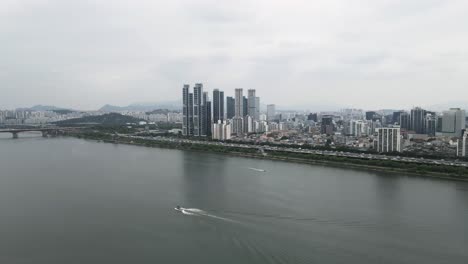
(221, 130)
(388, 139)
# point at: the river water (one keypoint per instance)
(65, 200)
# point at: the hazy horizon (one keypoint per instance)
(365, 54)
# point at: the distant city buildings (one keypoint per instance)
(238, 117)
(312, 117)
(241, 114)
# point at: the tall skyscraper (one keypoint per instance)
(197, 109)
(186, 117)
(230, 107)
(245, 111)
(237, 121)
(251, 103)
(271, 112)
(239, 100)
(190, 113)
(206, 116)
(257, 108)
(218, 106)
(418, 116)
(388, 139)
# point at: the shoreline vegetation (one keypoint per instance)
(425, 170)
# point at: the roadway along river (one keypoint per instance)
(66, 200)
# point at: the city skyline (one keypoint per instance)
(115, 53)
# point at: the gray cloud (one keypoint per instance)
(84, 54)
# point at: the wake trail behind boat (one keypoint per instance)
(273, 216)
(199, 212)
(255, 169)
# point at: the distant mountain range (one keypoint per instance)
(145, 107)
(42, 108)
(177, 106)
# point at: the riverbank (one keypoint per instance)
(423, 170)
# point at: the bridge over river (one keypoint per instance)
(45, 131)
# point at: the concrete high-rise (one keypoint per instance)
(251, 103)
(388, 139)
(230, 107)
(245, 111)
(248, 124)
(239, 103)
(237, 121)
(453, 122)
(404, 121)
(218, 106)
(463, 144)
(418, 116)
(271, 112)
(257, 108)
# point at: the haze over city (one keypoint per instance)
(365, 54)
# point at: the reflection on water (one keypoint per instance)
(203, 179)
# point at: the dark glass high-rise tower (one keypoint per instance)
(187, 111)
(218, 106)
(230, 107)
(418, 116)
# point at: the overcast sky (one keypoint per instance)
(360, 53)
